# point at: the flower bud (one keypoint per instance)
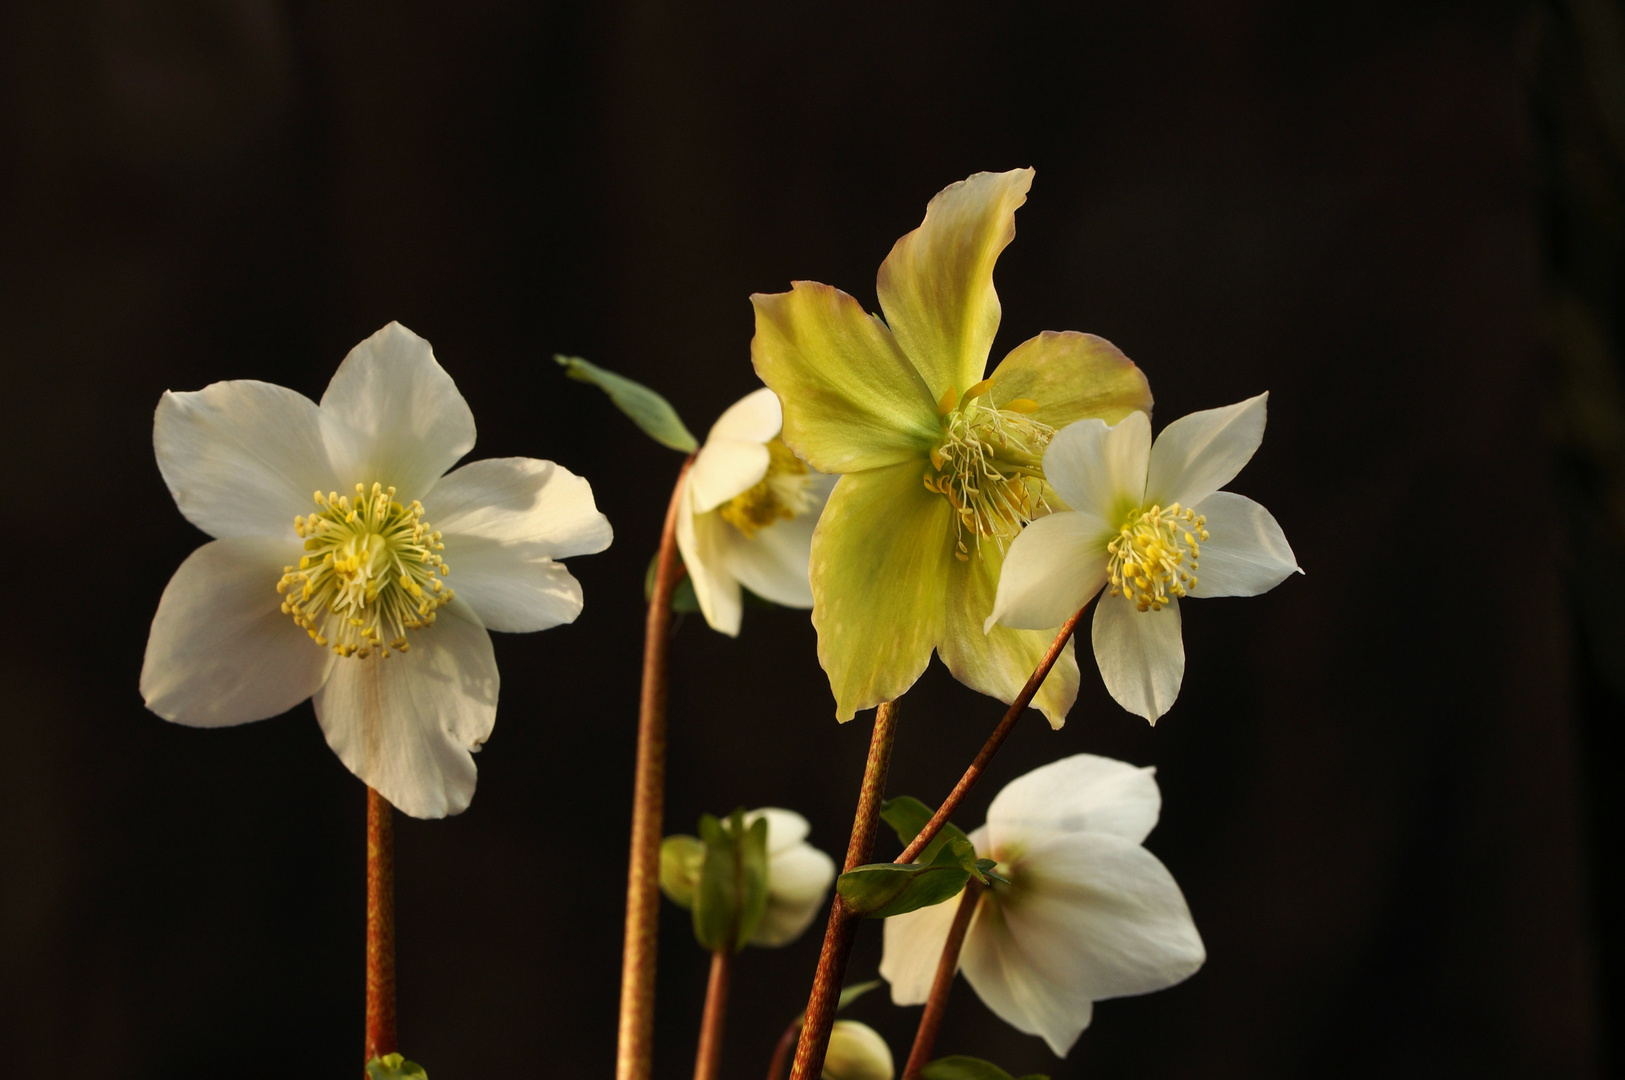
(857, 1052)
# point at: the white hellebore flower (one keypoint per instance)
(798, 877)
(857, 1052)
(1141, 517)
(340, 597)
(748, 511)
(1089, 914)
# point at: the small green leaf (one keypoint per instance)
(648, 410)
(881, 890)
(960, 1067)
(680, 859)
(849, 994)
(908, 815)
(732, 892)
(395, 1067)
(683, 600)
(986, 867)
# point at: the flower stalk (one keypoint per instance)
(925, 1037)
(843, 924)
(708, 1057)
(635, 1049)
(380, 1033)
(994, 741)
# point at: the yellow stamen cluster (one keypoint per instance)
(1154, 556)
(783, 494)
(989, 466)
(371, 573)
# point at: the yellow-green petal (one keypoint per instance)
(936, 286)
(1071, 377)
(881, 556)
(999, 663)
(851, 398)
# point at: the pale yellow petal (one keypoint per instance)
(880, 557)
(936, 286)
(998, 662)
(1071, 377)
(851, 398)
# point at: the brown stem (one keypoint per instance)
(843, 925)
(994, 741)
(709, 1055)
(925, 1039)
(635, 1050)
(380, 926)
(781, 1053)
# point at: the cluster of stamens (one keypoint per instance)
(784, 493)
(371, 572)
(989, 466)
(1154, 555)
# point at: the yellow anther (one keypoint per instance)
(989, 466)
(1153, 556)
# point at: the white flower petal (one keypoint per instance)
(704, 540)
(1051, 570)
(515, 588)
(1140, 653)
(407, 725)
(1032, 994)
(773, 563)
(797, 881)
(525, 499)
(241, 458)
(221, 651)
(1198, 454)
(724, 468)
(1081, 793)
(1246, 552)
(913, 946)
(1100, 469)
(1107, 911)
(756, 418)
(857, 1052)
(393, 415)
(785, 828)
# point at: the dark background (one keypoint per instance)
(1390, 786)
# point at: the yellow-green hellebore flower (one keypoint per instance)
(940, 466)
(857, 1052)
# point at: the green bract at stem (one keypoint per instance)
(380, 1015)
(709, 1055)
(843, 924)
(994, 741)
(925, 1037)
(635, 1048)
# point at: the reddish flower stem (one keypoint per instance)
(635, 1050)
(925, 1038)
(709, 1055)
(781, 1052)
(380, 926)
(843, 925)
(994, 741)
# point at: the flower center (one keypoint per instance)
(989, 466)
(781, 495)
(1154, 555)
(369, 574)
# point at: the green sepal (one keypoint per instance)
(683, 600)
(960, 1067)
(647, 409)
(394, 1067)
(732, 893)
(681, 856)
(881, 890)
(986, 867)
(908, 815)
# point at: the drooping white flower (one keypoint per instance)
(343, 596)
(748, 511)
(857, 1052)
(798, 877)
(1149, 523)
(1089, 913)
